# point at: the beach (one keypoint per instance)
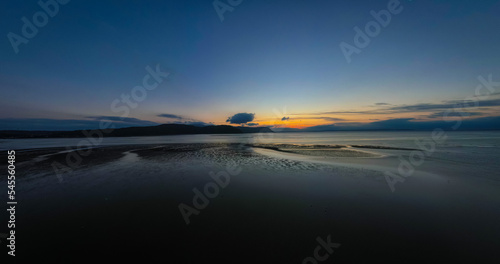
(265, 203)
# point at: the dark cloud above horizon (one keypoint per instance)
(446, 114)
(123, 120)
(285, 118)
(387, 109)
(185, 120)
(252, 124)
(326, 118)
(171, 116)
(332, 119)
(452, 104)
(241, 118)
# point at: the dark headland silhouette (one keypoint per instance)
(160, 130)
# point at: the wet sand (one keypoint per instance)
(123, 201)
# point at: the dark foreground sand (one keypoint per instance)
(123, 202)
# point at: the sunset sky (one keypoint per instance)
(263, 58)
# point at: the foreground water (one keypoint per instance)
(123, 200)
(473, 153)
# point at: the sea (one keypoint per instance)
(473, 140)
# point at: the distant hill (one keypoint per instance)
(161, 130)
(255, 129)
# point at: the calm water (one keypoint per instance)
(481, 139)
(274, 208)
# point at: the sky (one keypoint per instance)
(251, 63)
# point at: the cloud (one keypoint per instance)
(456, 105)
(252, 124)
(453, 104)
(371, 112)
(326, 118)
(185, 120)
(333, 119)
(241, 118)
(446, 114)
(171, 116)
(382, 104)
(129, 121)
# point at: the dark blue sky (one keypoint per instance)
(265, 55)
